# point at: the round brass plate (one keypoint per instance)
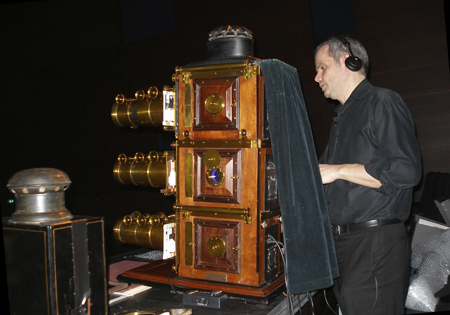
(216, 246)
(214, 103)
(211, 158)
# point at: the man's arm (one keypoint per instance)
(355, 173)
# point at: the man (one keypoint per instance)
(369, 167)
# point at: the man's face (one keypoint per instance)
(330, 74)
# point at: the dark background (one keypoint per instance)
(63, 62)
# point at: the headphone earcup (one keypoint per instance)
(353, 63)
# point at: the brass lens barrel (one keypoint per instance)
(142, 111)
(141, 170)
(119, 111)
(150, 112)
(157, 170)
(142, 230)
(122, 170)
(145, 236)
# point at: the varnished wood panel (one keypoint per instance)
(241, 190)
(228, 117)
(230, 189)
(227, 231)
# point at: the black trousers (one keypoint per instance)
(374, 266)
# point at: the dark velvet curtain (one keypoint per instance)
(310, 255)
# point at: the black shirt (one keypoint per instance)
(374, 128)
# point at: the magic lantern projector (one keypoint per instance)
(226, 214)
(54, 259)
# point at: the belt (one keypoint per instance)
(352, 227)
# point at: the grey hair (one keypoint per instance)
(336, 49)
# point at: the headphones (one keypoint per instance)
(352, 62)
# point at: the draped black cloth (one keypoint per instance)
(310, 255)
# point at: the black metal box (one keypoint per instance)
(56, 268)
(214, 299)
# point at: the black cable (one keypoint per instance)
(326, 300)
(280, 246)
(299, 304)
(376, 292)
(308, 294)
(171, 286)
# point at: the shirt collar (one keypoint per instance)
(359, 92)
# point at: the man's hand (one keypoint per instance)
(355, 173)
